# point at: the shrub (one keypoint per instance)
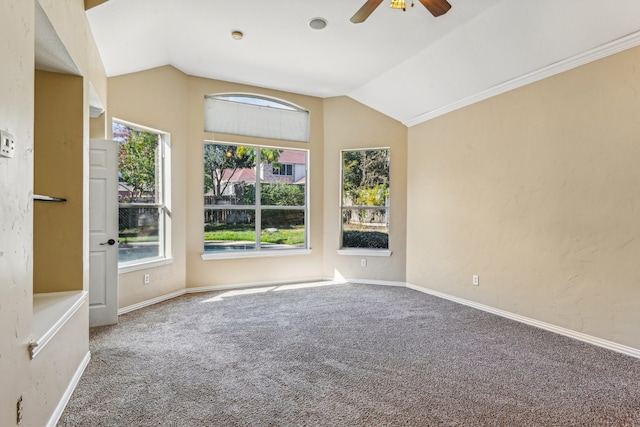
(365, 239)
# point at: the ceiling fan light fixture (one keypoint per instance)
(398, 4)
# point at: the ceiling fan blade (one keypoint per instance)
(365, 11)
(436, 7)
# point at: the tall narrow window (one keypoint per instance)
(365, 199)
(142, 208)
(248, 207)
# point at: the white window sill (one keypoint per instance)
(365, 252)
(254, 254)
(50, 313)
(144, 264)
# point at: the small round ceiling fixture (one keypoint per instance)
(318, 23)
(237, 35)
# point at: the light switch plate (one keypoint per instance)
(7, 144)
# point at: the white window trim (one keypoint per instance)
(144, 264)
(165, 191)
(362, 251)
(365, 252)
(258, 252)
(265, 253)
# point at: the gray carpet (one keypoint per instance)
(344, 355)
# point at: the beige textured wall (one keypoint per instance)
(167, 99)
(58, 162)
(157, 99)
(41, 382)
(536, 191)
(351, 125)
(16, 207)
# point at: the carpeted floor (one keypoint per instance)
(344, 355)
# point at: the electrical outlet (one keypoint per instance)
(19, 410)
(476, 280)
(146, 279)
(363, 262)
(7, 144)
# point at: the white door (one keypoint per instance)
(103, 233)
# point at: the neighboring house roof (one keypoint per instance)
(249, 174)
(292, 157)
(245, 174)
(301, 181)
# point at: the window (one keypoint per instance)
(142, 206)
(365, 199)
(246, 208)
(286, 170)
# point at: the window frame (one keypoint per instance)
(162, 203)
(373, 252)
(258, 207)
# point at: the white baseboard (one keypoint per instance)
(57, 413)
(375, 282)
(151, 301)
(214, 288)
(251, 285)
(238, 286)
(610, 345)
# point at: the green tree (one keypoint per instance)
(366, 176)
(137, 161)
(218, 159)
(281, 194)
(222, 162)
(371, 196)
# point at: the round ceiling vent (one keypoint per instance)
(318, 23)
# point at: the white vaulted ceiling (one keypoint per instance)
(407, 65)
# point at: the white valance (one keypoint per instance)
(240, 118)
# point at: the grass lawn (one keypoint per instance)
(246, 233)
(132, 238)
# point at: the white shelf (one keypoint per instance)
(50, 312)
(48, 198)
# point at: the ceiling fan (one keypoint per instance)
(436, 7)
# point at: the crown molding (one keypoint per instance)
(613, 47)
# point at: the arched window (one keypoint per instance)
(253, 115)
(255, 195)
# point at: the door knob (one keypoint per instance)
(109, 242)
